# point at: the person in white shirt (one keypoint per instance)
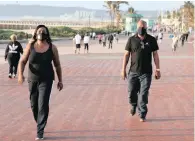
(175, 40)
(77, 41)
(94, 34)
(86, 43)
(160, 37)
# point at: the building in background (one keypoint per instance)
(150, 22)
(131, 22)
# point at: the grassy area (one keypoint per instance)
(59, 32)
(5, 35)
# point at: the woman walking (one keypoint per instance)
(40, 53)
(12, 54)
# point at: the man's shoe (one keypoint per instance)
(37, 138)
(133, 111)
(142, 119)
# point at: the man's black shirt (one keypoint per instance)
(141, 53)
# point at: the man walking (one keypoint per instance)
(77, 41)
(140, 47)
(110, 40)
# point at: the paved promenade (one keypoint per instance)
(93, 106)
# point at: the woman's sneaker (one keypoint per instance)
(10, 75)
(14, 76)
(37, 138)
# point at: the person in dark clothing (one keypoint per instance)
(40, 53)
(110, 39)
(12, 54)
(183, 38)
(141, 47)
(187, 34)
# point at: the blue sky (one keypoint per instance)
(138, 5)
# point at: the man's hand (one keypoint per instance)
(157, 74)
(124, 75)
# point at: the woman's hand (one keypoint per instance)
(60, 86)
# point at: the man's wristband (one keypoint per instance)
(157, 69)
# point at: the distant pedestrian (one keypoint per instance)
(100, 38)
(77, 41)
(110, 41)
(86, 43)
(175, 40)
(12, 54)
(116, 38)
(187, 34)
(183, 38)
(94, 35)
(160, 37)
(104, 38)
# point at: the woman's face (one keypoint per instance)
(42, 34)
(41, 30)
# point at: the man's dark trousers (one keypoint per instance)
(138, 89)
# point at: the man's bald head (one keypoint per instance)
(141, 23)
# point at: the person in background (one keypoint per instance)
(40, 53)
(187, 34)
(90, 35)
(94, 34)
(183, 38)
(100, 38)
(104, 38)
(110, 40)
(77, 41)
(86, 43)
(160, 37)
(116, 38)
(175, 40)
(12, 54)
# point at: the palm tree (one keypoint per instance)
(108, 5)
(114, 10)
(131, 10)
(188, 13)
(118, 12)
(168, 14)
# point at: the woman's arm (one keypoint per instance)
(57, 64)
(6, 51)
(23, 60)
(21, 49)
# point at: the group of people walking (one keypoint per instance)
(78, 41)
(179, 37)
(40, 52)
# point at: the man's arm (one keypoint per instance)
(57, 64)
(125, 60)
(156, 60)
(126, 55)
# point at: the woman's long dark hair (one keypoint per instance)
(49, 41)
